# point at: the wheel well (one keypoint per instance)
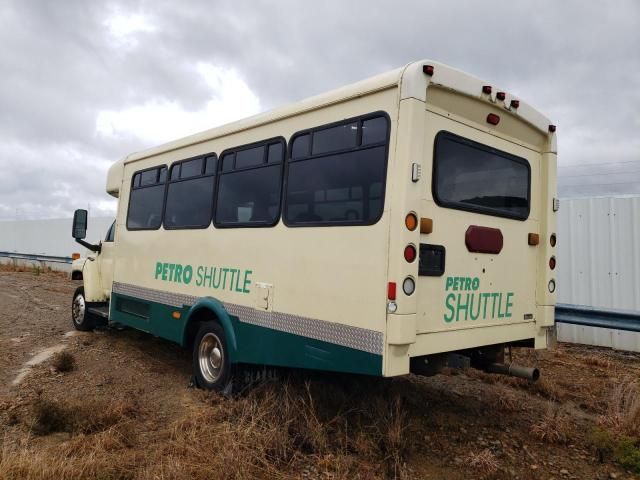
(196, 318)
(76, 275)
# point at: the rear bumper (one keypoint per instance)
(397, 357)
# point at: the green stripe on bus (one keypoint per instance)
(256, 344)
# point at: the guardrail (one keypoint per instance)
(592, 317)
(36, 258)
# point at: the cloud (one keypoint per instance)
(158, 121)
(85, 83)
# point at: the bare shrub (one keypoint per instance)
(623, 409)
(597, 360)
(554, 427)
(63, 361)
(484, 462)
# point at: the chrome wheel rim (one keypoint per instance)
(78, 309)
(211, 357)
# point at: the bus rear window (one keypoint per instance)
(471, 176)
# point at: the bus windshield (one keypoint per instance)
(472, 176)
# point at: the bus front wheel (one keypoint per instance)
(82, 319)
(211, 367)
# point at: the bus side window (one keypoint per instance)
(249, 189)
(111, 233)
(340, 181)
(146, 200)
(190, 193)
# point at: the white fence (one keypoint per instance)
(599, 264)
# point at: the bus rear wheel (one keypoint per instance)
(211, 367)
(80, 316)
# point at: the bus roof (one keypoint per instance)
(410, 79)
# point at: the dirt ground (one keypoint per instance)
(125, 411)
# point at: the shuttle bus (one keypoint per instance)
(382, 228)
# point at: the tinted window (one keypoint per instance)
(192, 168)
(472, 176)
(110, 233)
(212, 164)
(374, 131)
(149, 177)
(276, 152)
(300, 146)
(339, 188)
(227, 162)
(146, 202)
(250, 194)
(250, 157)
(189, 203)
(190, 195)
(335, 138)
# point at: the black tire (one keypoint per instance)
(80, 317)
(211, 367)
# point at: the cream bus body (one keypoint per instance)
(321, 297)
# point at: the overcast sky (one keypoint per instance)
(83, 83)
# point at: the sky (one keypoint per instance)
(83, 84)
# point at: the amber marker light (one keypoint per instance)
(176, 315)
(534, 239)
(75, 256)
(411, 221)
(426, 225)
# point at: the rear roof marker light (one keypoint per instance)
(552, 128)
(493, 119)
(501, 95)
(427, 69)
(515, 103)
(486, 89)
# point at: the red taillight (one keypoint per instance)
(493, 119)
(553, 239)
(409, 253)
(486, 89)
(501, 95)
(483, 239)
(552, 128)
(427, 69)
(391, 290)
(552, 263)
(515, 103)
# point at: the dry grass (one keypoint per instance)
(597, 360)
(555, 426)
(483, 462)
(63, 362)
(623, 411)
(50, 416)
(274, 431)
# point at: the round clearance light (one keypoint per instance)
(410, 253)
(408, 286)
(411, 221)
(552, 263)
(552, 285)
(392, 307)
(552, 239)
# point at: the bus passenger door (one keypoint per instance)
(105, 261)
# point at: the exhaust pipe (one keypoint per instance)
(519, 371)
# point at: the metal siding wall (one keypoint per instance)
(48, 237)
(599, 252)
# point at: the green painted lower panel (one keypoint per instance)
(271, 347)
(256, 345)
(156, 320)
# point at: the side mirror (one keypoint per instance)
(79, 229)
